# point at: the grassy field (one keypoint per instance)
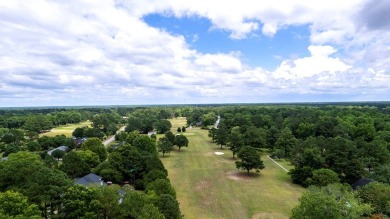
(66, 129)
(210, 186)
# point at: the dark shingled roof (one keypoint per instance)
(90, 179)
(361, 182)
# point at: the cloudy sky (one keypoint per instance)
(105, 52)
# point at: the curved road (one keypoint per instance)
(112, 138)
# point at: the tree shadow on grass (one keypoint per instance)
(242, 175)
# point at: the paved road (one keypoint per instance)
(112, 138)
(217, 122)
(277, 163)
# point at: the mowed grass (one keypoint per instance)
(65, 130)
(210, 186)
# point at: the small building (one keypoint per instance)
(61, 148)
(199, 124)
(4, 159)
(90, 179)
(79, 141)
(152, 133)
(361, 182)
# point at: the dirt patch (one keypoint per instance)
(202, 185)
(269, 216)
(241, 176)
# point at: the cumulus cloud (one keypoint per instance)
(319, 62)
(83, 52)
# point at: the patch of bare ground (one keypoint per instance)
(265, 215)
(202, 185)
(241, 175)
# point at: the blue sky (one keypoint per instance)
(132, 52)
(256, 50)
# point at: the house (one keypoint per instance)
(152, 133)
(198, 124)
(4, 159)
(361, 182)
(90, 179)
(79, 141)
(61, 148)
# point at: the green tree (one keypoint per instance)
(153, 175)
(178, 129)
(181, 141)
(183, 129)
(127, 160)
(15, 205)
(250, 159)
(162, 126)
(302, 175)
(108, 197)
(108, 172)
(33, 146)
(286, 141)
(235, 140)
(324, 177)
(74, 165)
(96, 146)
(78, 132)
(334, 201)
(382, 174)
(255, 137)
(132, 204)
(150, 211)
(58, 154)
(221, 135)
(168, 205)
(161, 186)
(80, 202)
(164, 145)
(377, 195)
(16, 170)
(89, 157)
(144, 144)
(170, 136)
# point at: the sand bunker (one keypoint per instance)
(218, 153)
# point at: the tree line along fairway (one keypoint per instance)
(210, 186)
(66, 129)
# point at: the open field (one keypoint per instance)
(210, 186)
(66, 129)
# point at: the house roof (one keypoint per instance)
(89, 179)
(361, 182)
(80, 140)
(61, 148)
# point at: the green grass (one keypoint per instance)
(210, 186)
(66, 129)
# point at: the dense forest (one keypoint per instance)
(38, 180)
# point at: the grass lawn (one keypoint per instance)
(66, 129)
(210, 186)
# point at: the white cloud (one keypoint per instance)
(87, 53)
(319, 62)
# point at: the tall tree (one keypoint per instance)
(15, 205)
(331, 202)
(250, 159)
(181, 141)
(95, 145)
(286, 141)
(164, 145)
(235, 140)
(170, 136)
